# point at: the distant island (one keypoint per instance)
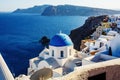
(66, 10)
(35, 10)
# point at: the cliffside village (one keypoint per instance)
(101, 46)
(98, 59)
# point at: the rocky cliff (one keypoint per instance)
(66, 10)
(33, 10)
(71, 10)
(86, 30)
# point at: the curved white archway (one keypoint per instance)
(43, 64)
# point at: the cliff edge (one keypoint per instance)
(86, 30)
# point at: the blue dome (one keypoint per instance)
(61, 40)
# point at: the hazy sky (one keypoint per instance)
(10, 5)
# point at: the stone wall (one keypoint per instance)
(112, 72)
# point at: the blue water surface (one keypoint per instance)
(20, 35)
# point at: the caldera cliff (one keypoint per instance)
(86, 30)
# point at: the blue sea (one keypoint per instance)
(20, 35)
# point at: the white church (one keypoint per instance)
(59, 57)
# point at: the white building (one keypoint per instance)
(118, 23)
(102, 43)
(98, 32)
(110, 48)
(59, 55)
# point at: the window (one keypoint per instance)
(94, 43)
(101, 44)
(101, 76)
(110, 51)
(62, 54)
(70, 52)
(79, 63)
(46, 53)
(52, 52)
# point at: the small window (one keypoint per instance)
(62, 54)
(47, 53)
(93, 43)
(52, 52)
(101, 44)
(101, 76)
(70, 52)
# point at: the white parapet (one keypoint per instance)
(5, 73)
